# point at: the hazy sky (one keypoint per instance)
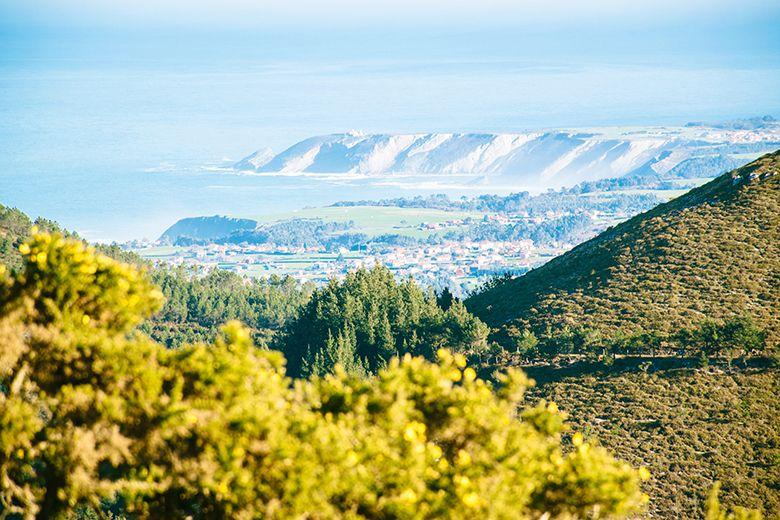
(270, 13)
(140, 99)
(705, 31)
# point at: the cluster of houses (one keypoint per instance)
(450, 262)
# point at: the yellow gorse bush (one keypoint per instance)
(91, 410)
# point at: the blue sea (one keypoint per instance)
(119, 142)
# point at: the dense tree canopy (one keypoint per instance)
(92, 411)
(197, 304)
(369, 317)
(14, 228)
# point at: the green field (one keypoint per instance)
(376, 220)
(159, 252)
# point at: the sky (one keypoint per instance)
(217, 33)
(681, 32)
(134, 98)
(409, 13)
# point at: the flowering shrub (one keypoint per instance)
(92, 412)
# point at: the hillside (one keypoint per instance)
(711, 253)
(14, 226)
(689, 427)
(206, 228)
(538, 158)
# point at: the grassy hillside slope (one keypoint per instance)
(689, 427)
(713, 252)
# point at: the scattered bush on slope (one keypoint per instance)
(689, 427)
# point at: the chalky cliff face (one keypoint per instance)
(544, 159)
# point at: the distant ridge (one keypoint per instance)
(206, 228)
(543, 158)
(711, 253)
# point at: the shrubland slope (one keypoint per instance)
(711, 253)
(689, 427)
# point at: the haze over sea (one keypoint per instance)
(118, 134)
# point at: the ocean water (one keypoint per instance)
(120, 146)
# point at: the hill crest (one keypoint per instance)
(711, 253)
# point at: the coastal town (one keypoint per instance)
(459, 265)
(436, 241)
(459, 250)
